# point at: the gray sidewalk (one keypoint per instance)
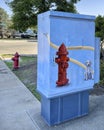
(20, 110)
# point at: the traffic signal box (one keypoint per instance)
(68, 64)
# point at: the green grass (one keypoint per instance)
(22, 61)
(27, 59)
(7, 55)
(32, 88)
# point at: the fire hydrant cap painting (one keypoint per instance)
(62, 50)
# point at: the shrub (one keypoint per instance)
(102, 72)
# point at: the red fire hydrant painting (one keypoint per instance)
(62, 61)
(16, 61)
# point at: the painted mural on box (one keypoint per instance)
(88, 72)
(62, 60)
(68, 61)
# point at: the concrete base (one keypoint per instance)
(59, 109)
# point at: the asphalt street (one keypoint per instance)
(20, 46)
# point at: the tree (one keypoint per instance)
(99, 23)
(61, 5)
(5, 23)
(24, 14)
(3, 18)
(25, 11)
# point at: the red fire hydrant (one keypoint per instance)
(62, 61)
(16, 61)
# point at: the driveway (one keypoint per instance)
(20, 46)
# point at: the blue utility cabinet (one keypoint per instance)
(77, 32)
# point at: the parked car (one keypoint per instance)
(17, 34)
(25, 35)
(29, 34)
